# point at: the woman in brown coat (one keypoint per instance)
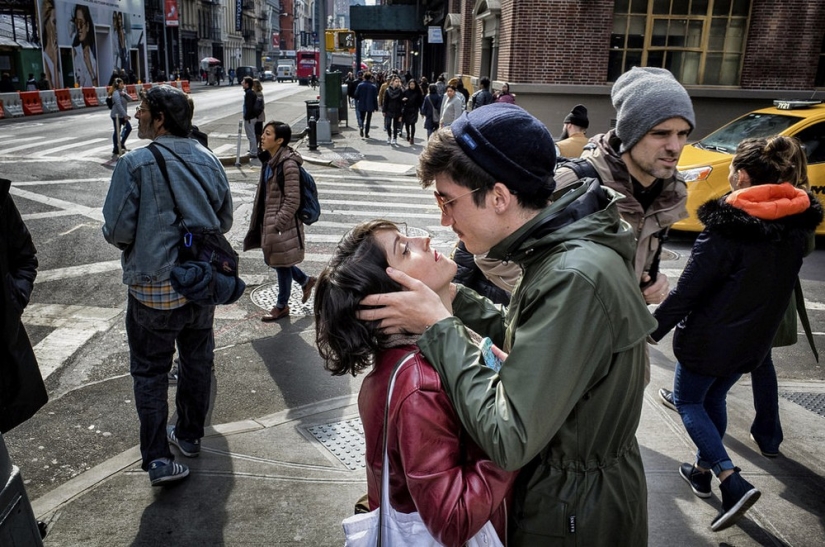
(274, 227)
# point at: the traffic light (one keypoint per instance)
(346, 40)
(329, 38)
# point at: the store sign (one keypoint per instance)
(276, 40)
(171, 13)
(434, 35)
(238, 15)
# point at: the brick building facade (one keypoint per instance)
(731, 55)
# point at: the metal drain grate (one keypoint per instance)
(344, 439)
(815, 402)
(266, 296)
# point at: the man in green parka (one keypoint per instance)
(566, 403)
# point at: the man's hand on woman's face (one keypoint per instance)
(411, 310)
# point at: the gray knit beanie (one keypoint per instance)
(645, 97)
(510, 144)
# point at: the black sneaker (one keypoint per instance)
(667, 398)
(738, 495)
(162, 471)
(190, 449)
(768, 453)
(361, 130)
(699, 481)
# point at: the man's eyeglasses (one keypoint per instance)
(139, 109)
(442, 203)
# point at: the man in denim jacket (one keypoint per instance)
(141, 221)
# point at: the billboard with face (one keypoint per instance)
(86, 41)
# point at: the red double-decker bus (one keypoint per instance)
(308, 65)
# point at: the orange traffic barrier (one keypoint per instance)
(64, 99)
(31, 102)
(185, 85)
(132, 92)
(90, 96)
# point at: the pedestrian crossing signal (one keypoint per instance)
(346, 40)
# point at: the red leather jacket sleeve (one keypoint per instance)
(436, 468)
(455, 488)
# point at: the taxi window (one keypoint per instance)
(751, 126)
(813, 141)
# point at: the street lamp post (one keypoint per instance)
(323, 129)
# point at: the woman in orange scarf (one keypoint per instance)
(730, 301)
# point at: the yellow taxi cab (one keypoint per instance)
(705, 163)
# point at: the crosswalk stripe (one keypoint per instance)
(224, 148)
(51, 151)
(30, 142)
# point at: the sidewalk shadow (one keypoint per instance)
(668, 496)
(293, 362)
(192, 512)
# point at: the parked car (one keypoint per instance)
(705, 164)
(285, 72)
(267, 76)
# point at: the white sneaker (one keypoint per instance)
(389, 140)
(394, 141)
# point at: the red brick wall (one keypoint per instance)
(784, 41)
(554, 41)
(465, 51)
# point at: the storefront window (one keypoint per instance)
(700, 41)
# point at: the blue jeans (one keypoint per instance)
(285, 277)
(359, 116)
(125, 131)
(152, 335)
(766, 427)
(700, 400)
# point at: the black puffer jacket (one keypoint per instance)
(393, 105)
(22, 391)
(735, 288)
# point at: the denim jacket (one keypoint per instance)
(138, 212)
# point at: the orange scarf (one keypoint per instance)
(770, 201)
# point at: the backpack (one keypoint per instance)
(435, 115)
(580, 166)
(310, 209)
(259, 106)
(109, 102)
(200, 136)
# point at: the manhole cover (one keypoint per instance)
(815, 402)
(344, 439)
(266, 296)
(667, 254)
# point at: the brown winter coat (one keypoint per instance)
(274, 228)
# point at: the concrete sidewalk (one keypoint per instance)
(290, 478)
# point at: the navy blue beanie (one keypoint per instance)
(511, 145)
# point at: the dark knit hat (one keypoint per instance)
(643, 98)
(511, 145)
(578, 116)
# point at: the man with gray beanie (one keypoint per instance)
(143, 213)
(566, 403)
(654, 116)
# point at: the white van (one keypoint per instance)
(285, 72)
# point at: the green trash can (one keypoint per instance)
(333, 96)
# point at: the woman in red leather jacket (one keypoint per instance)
(436, 468)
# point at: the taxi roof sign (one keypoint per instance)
(792, 104)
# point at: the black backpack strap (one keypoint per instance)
(803, 317)
(161, 161)
(581, 167)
